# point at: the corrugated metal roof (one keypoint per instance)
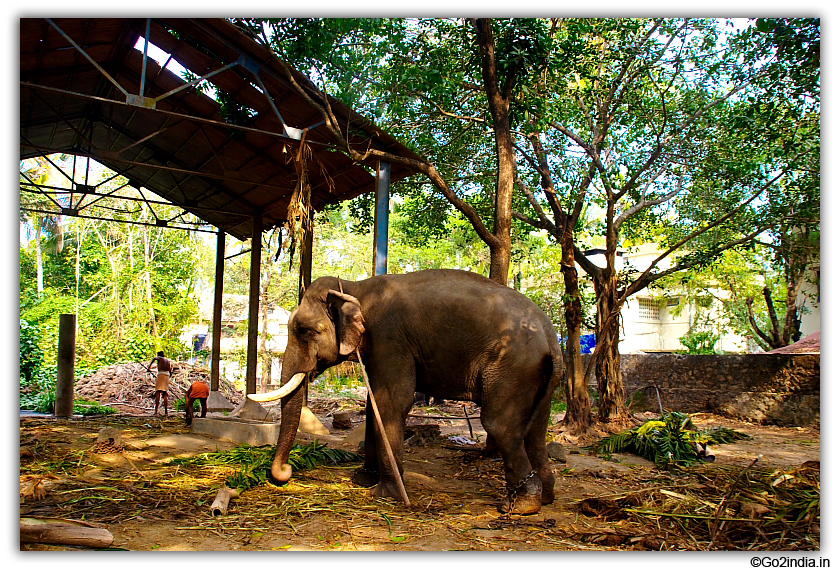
(183, 149)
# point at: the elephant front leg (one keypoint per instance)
(389, 481)
(368, 474)
(393, 411)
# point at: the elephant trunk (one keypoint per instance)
(291, 406)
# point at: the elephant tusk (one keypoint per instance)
(282, 392)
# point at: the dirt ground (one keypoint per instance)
(147, 503)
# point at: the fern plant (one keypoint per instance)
(670, 440)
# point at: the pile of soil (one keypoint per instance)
(131, 387)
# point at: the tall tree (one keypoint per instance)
(637, 118)
(646, 125)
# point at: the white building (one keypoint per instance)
(648, 322)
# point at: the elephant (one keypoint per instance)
(446, 333)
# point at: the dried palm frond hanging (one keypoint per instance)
(299, 212)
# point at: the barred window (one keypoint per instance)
(648, 309)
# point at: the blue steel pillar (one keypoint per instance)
(380, 219)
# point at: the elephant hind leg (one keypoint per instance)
(524, 486)
(535, 447)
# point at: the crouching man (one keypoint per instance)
(200, 391)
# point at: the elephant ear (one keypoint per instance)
(349, 322)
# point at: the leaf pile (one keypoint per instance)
(723, 509)
(670, 440)
(255, 462)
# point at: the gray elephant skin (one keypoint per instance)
(446, 333)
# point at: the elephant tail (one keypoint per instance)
(553, 368)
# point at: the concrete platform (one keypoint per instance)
(257, 432)
(239, 430)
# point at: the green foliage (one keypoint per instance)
(339, 380)
(701, 342)
(88, 408)
(131, 286)
(181, 405)
(31, 353)
(44, 402)
(667, 441)
(254, 463)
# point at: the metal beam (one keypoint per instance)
(380, 218)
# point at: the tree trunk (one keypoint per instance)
(611, 391)
(578, 406)
(499, 105)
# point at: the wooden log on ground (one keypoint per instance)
(64, 531)
(220, 503)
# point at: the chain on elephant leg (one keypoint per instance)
(524, 498)
(366, 477)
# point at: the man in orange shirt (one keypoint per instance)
(200, 391)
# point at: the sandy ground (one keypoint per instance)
(149, 504)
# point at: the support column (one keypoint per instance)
(253, 307)
(216, 354)
(305, 277)
(66, 361)
(217, 402)
(380, 218)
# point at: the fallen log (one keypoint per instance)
(64, 531)
(223, 497)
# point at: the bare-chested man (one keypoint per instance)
(164, 372)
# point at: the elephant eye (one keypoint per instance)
(304, 330)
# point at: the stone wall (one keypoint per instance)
(782, 389)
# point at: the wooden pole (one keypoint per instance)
(253, 307)
(66, 365)
(380, 219)
(391, 459)
(216, 355)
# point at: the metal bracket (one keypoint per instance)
(140, 101)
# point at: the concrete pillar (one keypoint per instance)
(253, 307)
(380, 219)
(66, 365)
